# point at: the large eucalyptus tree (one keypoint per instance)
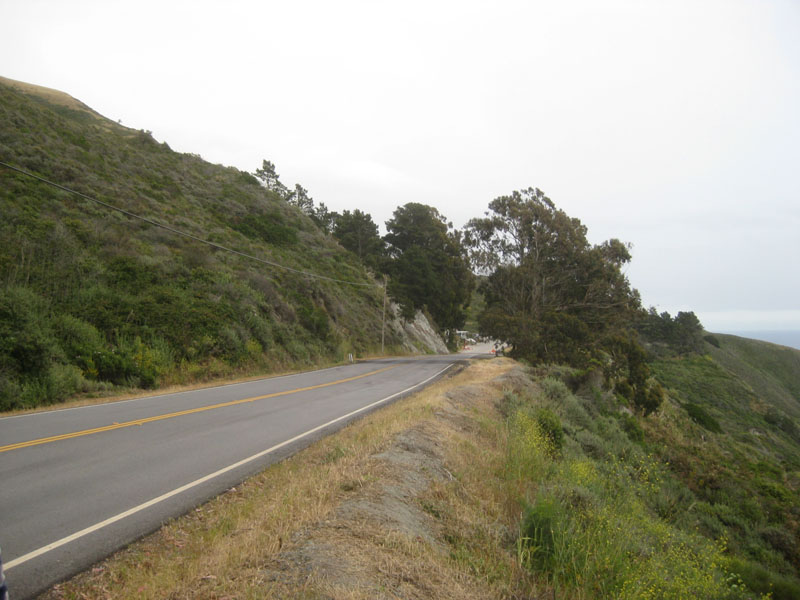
(549, 293)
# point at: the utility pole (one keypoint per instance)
(383, 320)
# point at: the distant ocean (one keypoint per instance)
(784, 338)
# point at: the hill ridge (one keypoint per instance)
(91, 299)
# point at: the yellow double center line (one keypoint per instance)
(113, 426)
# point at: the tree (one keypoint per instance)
(428, 265)
(300, 198)
(632, 374)
(357, 232)
(324, 218)
(681, 335)
(688, 332)
(550, 293)
(269, 177)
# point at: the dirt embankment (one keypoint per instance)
(403, 504)
(392, 538)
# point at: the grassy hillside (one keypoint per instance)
(700, 499)
(92, 298)
(771, 369)
(730, 434)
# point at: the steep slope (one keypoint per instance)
(772, 370)
(730, 432)
(92, 297)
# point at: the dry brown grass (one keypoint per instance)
(49, 94)
(405, 503)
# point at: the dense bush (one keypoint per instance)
(27, 345)
(701, 416)
(550, 426)
(269, 228)
(555, 389)
(630, 425)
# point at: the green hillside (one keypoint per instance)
(772, 370)
(730, 433)
(698, 499)
(659, 452)
(91, 298)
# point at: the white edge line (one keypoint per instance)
(111, 520)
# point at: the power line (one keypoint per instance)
(183, 233)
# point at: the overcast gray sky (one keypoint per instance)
(673, 125)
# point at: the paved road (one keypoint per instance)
(78, 484)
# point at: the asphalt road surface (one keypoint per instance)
(78, 484)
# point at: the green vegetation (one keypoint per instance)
(662, 462)
(743, 466)
(556, 298)
(91, 299)
(357, 232)
(428, 266)
(692, 503)
(669, 336)
(549, 293)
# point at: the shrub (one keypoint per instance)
(253, 349)
(592, 444)
(576, 413)
(80, 341)
(671, 501)
(56, 385)
(27, 345)
(781, 540)
(267, 227)
(510, 403)
(554, 389)
(780, 420)
(648, 397)
(631, 427)
(762, 581)
(132, 362)
(541, 524)
(624, 389)
(550, 426)
(10, 392)
(62, 382)
(314, 319)
(700, 416)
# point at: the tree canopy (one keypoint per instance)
(550, 293)
(428, 265)
(682, 334)
(268, 176)
(357, 232)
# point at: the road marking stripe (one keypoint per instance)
(50, 409)
(111, 520)
(67, 436)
